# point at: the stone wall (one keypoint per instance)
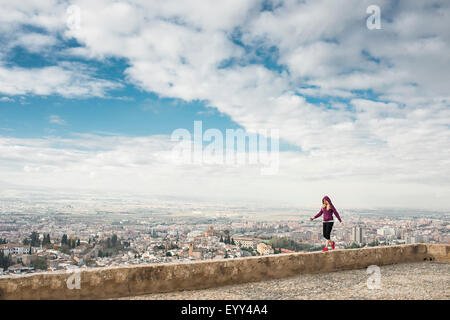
(100, 283)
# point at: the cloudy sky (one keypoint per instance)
(91, 91)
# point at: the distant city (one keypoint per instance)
(68, 234)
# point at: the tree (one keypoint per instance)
(39, 263)
(114, 240)
(354, 245)
(46, 239)
(232, 242)
(373, 244)
(34, 239)
(221, 238)
(71, 243)
(290, 244)
(78, 242)
(64, 239)
(5, 261)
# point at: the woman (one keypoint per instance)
(327, 210)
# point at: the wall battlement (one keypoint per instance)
(101, 283)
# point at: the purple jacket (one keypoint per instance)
(328, 214)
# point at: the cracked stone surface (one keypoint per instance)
(427, 280)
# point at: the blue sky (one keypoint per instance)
(141, 114)
(125, 111)
(90, 94)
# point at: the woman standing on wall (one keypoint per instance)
(327, 210)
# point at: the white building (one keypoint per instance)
(357, 234)
(11, 248)
(411, 240)
(245, 242)
(386, 231)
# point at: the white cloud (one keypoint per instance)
(57, 120)
(44, 14)
(66, 79)
(33, 42)
(393, 140)
(145, 164)
(6, 99)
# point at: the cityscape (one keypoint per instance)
(225, 150)
(46, 236)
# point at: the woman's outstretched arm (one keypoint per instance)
(318, 215)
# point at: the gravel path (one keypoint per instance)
(427, 280)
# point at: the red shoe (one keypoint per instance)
(332, 246)
(325, 249)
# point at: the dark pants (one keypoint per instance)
(327, 226)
